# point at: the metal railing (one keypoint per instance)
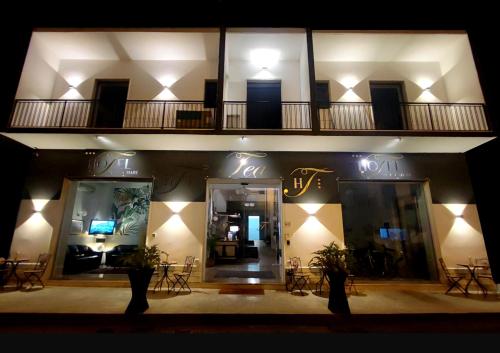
(445, 116)
(347, 116)
(416, 116)
(51, 113)
(294, 115)
(137, 115)
(47, 113)
(168, 115)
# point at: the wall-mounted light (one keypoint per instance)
(459, 216)
(243, 138)
(399, 138)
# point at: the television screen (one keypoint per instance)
(102, 227)
(392, 233)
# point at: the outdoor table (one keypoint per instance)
(165, 277)
(473, 277)
(13, 271)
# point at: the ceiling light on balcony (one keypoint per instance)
(264, 58)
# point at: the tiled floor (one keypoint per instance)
(265, 262)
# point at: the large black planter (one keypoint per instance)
(337, 299)
(139, 282)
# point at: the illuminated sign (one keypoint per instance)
(382, 165)
(112, 163)
(248, 165)
(303, 178)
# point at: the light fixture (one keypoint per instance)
(72, 87)
(459, 216)
(399, 138)
(97, 137)
(243, 138)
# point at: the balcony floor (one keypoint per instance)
(233, 142)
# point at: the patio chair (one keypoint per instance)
(299, 278)
(181, 278)
(35, 275)
(453, 280)
(484, 271)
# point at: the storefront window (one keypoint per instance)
(103, 221)
(386, 226)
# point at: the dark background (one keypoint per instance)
(479, 19)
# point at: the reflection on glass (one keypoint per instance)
(386, 227)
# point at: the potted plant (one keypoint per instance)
(332, 260)
(141, 265)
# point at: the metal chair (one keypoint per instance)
(453, 280)
(299, 279)
(484, 270)
(36, 274)
(181, 278)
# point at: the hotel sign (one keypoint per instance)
(303, 178)
(112, 163)
(248, 165)
(377, 165)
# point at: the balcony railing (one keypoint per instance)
(294, 115)
(137, 115)
(416, 116)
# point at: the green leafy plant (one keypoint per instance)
(331, 259)
(144, 257)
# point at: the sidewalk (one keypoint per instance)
(373, 310)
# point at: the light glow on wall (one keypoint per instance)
(264, 58)
(39, 204)
(176, 206)
(349, 81)
(311, 208)
(263, 74)
(167, 81)
(456, 208)
(166, 95)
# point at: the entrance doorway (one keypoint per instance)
(387, 99)
(244, 241)
(264, 104)
(111, 97)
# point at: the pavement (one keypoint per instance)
(373, 309)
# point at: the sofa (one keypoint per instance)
(81, 258)
(115, 256)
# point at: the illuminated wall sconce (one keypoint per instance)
(243, 138)
(459, 216)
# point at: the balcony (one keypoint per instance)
(415, 117)
(295, 116)
(155, 115)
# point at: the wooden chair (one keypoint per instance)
(453, 280)
(181, 278)
(35, 275)
(299, 279)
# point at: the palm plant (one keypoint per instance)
(333, 262)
